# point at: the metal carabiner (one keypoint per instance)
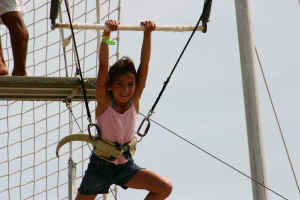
(98, 131)
(146, 119)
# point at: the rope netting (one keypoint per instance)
(30, 130)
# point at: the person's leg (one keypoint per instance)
(159, 187)
(96, 180)
(85, 197)
(3, 66)
(19, 39)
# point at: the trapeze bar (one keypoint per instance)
(128, 28)
(45, 88)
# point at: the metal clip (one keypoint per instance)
(146, 119)
(98, 131)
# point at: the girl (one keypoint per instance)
(118, 93)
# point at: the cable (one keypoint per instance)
(78, 71)
(204, 17)
(78, 68)
(71, 111)
(277, 120)
(176, 63)
(216, 158)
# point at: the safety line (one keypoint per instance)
(216, 157)
(78, 68)
(114, 194)
(71, 111)
(179, 58)
(78, 72)
(277, 119)
(204, 17)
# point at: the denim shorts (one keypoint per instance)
(101, 174)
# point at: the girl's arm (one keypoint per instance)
(145, 58)
(103, 66)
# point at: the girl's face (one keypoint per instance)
(123, 87)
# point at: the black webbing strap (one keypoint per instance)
(54, 11)
(204, 18)
(205, 14)
(78, 72)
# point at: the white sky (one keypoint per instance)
(204, 102)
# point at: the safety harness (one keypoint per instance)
(103, 148)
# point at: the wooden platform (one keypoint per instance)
(45, 88)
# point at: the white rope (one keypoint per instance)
(277, 120)
(216, 158)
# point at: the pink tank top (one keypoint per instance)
(118, 127)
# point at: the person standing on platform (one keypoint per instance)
(11, 12)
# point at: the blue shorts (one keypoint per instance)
(101, 174)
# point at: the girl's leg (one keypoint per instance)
(159, 187)
(3, 67)
(19, 39)
(85, 197)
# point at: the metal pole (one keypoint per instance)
(71, 164)
(250, 97)
(72, 178)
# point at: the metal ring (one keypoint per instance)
(98, 131)
(146, 119)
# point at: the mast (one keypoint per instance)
(250, 97)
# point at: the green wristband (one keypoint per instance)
(107, 41)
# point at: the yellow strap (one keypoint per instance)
(102, 148)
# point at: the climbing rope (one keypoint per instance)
(78, 72)
(277, 120)
(204, 18)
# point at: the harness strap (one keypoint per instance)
(103, 148)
